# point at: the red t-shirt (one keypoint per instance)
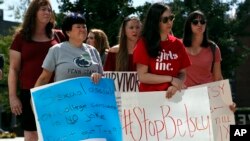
(110, 63)
(32, 56)
(200, 70)
(172, 59)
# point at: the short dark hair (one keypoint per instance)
(69, 20)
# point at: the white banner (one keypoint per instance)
(150, 116)
(219, 93)
(220, 98)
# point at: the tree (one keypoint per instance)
(242, 19)
(100, 14)
(219, 28)
(5, 42)
(18, 9)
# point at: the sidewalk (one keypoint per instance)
(13, 139)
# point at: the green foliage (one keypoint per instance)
(5, 42)
(220, 29)
(242, 19)
(108, 16)
(101, 14)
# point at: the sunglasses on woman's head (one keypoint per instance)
(195, 22)
(167, 18)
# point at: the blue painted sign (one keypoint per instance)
(77, 109)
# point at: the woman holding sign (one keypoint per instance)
(203, 69)
(161, 58)
(204, 54)
(72, 58)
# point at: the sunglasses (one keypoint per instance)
(195, 22)
(167, 18)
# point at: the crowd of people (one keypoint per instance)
(40, 54)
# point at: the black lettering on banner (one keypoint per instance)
(239, 132)
(124, 81)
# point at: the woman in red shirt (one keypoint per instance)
(123, 52)
(204, 54)
(203, 69)
(161, 58)
(27, 52)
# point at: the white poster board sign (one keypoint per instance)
(126, 81)
(220, 98)
(219, 92)
(150, 116)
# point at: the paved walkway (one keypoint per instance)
(13, 139)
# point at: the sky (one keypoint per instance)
(8, 14)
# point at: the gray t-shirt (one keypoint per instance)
(70, 62)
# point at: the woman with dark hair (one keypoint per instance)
(203, 69)
(123, 52)
(204, 54)
(72, 58)
(161, 58)
(27, 52)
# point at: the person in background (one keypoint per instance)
(27, 52)
(123, 52)
(1, 66)
(160, 57)
(72, 58)
(206, 65)
(98, 39)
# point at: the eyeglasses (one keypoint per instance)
(167, 18)
(195, 22)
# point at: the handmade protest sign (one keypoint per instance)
(220, 97)
(76, 109)
(124, 81)
(150, 116)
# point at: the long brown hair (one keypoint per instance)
(122, 56)
(101, 40)
(28, 26)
